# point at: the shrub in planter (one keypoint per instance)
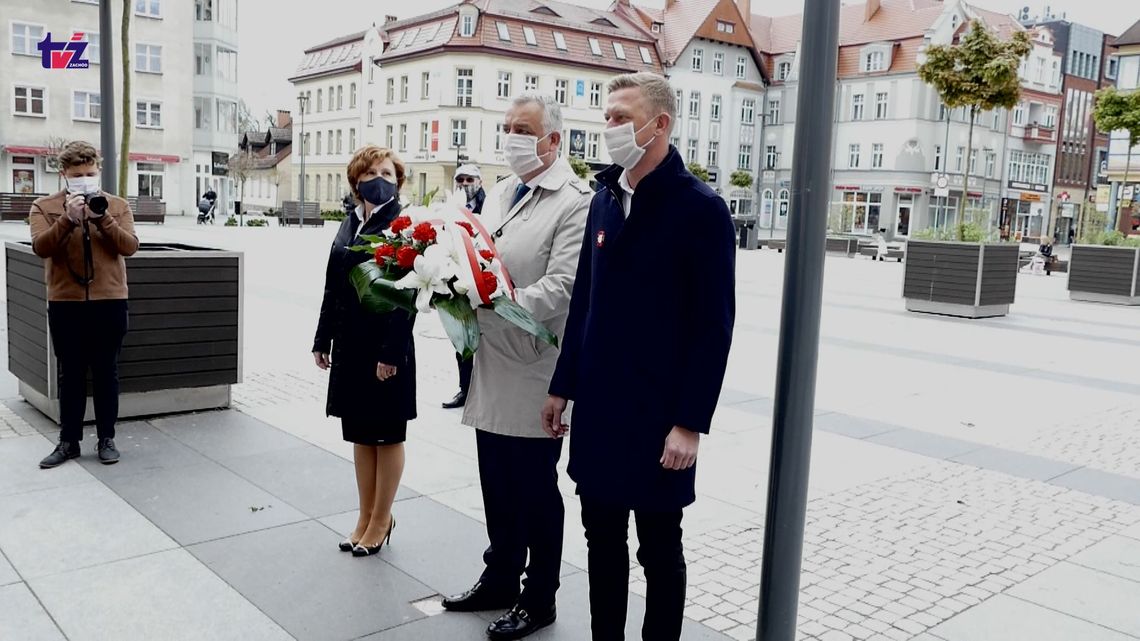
(231, 222)
(256, 222)
(334, 215)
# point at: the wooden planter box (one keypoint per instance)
(969, 280)
(1100, 274)
(182, 351)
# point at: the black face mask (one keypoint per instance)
(377, 191)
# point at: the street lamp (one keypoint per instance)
(303, 103)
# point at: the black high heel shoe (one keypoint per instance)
(347, 545)
(360, 550)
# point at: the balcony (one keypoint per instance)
(1036, 132)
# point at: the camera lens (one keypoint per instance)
(97, 203)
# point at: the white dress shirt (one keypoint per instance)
(627, 192)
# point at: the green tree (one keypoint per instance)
(125, 141)
(1115, 111)
(581, 169)
(979, 73)
(740, 178)
(697, 170)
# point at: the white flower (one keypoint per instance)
(429, 275)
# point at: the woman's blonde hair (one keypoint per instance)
(363, 160)
(76, 154)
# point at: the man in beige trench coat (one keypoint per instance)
(537, 217)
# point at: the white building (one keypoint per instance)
(215, 89)
(40, 108)
(1127, 80)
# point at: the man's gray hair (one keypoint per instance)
(551, 111)
(658, 92)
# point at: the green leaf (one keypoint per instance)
(371, 238)
(377, 293)
(460, 323)
(519, 317)
(363, 249)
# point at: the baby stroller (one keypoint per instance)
(206, 207)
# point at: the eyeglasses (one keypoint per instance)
(465, 179)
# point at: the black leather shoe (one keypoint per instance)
(519, 622)
(479, 598)
(64, 452)
(459, 400)
(108, 455)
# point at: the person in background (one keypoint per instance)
(470, 182)
(84, 235)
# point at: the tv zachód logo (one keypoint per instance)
(64, 54)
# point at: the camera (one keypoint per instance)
(97, 203)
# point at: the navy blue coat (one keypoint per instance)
(647, 340)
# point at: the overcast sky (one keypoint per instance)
(271, 39)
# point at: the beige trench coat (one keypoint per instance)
(539, 239)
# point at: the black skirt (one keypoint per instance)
(374, 430)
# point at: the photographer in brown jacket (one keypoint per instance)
(83, 235)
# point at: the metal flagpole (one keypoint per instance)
(107, 112)
(799, 324)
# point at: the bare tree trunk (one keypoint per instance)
(966, 178)
(125, 144)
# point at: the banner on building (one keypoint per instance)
(220, 164)
(435, 135)
(578, 143)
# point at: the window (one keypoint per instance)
(204, 10)
(528, 35)
(390, 94)
(464, 87)
(741, 67)
(317, 151)
(1050, 116)
(714, 108)
(504, 33)
(691, 153)
(425, 85)
(404, 88)
(857, 107)
(619, 51)
(30, 101)
(718, 63)
(698, 60)
(227, 68)
(504, 84)
(595, 47)
(592, 144)
(317, 191)
(352, 140)
(958, 158)
(148, 115)
(1029, 167)
(370, 113)
(425, 136)
(943, 113)
(227, 14)
(85, 105)
(991, 159)
(389, 137)
(371, 71)
(937, 157)
(646, 57)
(467, 29)
(770, 157)
(774, 111)
(352, 96)
(94, 42)
(148, 58)
(862, 209)
(748, 111)
(675, 141)
(596, 95)
(1039, 69)
(339, 140)
(1113, 66)
(500, 135)
(1019, 114)
(458, 133)
(877, 156)
(329, 187)
(150, 179)
(202, 56)
(783, 70)
(403, 137)
(875, 61)
(853, 154)
(694, 104)
(881, 100)
(202, 113)
(530, 83)
(744, 157)
(679, 96)
(148, 8)
(714, 153)
(320, 99)
(725, 27)
(559, 41)
(560, 90)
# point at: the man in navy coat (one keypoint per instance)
(644, 355)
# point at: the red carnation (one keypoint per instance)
(424, 233)
(384, 252)
(487, 254)
(400, 224)
(468, 227)
(490, 283)
(406, 257)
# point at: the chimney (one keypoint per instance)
(389, 19)
(284, 119)
(870, 9)
(745, 7)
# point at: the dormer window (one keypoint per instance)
(725, 27)
(619, 51)
(874, 61)
(528, 34)
(468, 16)
(783, 70)
(655, 27)
(595, 47)
(559, 41)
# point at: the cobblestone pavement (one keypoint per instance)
(1108, 440)
(11, 424)
(890, 560)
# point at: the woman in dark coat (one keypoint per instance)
(372, 385)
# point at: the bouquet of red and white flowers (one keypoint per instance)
(441, 257)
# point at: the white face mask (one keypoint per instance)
(522, 153)
(83, 185)
(621, 143)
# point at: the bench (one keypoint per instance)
(778, 244)
(291, 214)
(896, 253)
(147, 210)
(15, 207)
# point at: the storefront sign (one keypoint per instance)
(1102, 197)
(1029, 196)
(1013, 184)
(221, 163)
(908, 190)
